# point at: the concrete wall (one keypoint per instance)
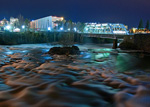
(140, 42)
(129, 38)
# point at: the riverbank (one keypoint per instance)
(136, 42)
(30, 77)
(11, 38)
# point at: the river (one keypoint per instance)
(94, 78)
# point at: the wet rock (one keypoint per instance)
(74, 50)
(128, 46)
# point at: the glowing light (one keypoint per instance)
(75, 29)
(17, 30)
(49, 28)
(119, 32)
(23, 26)
(8, 27)
(69, 29)
(61, 28)
(104, 24)
(62, 18)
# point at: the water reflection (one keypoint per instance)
(101, 55)
(9, 53)
(93, 55)
(125, 62)
(114, 60)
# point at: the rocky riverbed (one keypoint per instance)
(96, 78)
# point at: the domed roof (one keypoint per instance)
(4, 19)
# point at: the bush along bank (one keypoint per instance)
(10, 38)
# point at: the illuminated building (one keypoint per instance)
(3, 23)
(45, 24)
(133, 30)
(136, 30)
(106, 28)
(14, 21)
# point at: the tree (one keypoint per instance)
(80, 26)
(21, 20)
(140, 24)
(60, 24)
(147, 25)
(27, 23)
(70, 25)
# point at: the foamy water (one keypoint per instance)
(98, 77)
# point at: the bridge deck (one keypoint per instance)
(110, 36)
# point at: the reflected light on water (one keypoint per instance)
(102, 55)
(9, 53)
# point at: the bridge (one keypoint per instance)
(109, 36)
(105, 30)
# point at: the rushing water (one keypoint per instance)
(115, 59)
(93, 55)
(99, 77)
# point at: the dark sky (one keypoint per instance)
(123, 11)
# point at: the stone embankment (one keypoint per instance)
(136, 42)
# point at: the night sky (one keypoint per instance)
(128, 12)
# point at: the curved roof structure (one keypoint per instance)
(105, 28)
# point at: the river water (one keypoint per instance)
(92, 79)
(94, 55)
(117, 60)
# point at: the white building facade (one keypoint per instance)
(45, 24)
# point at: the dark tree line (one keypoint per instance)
(141, 26)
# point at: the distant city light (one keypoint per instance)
(17, 30)
(8, 27)
(104, 24)
(75, 29)
(23, 26)
(49, 28)
(62, 18)
(119, 32)
(61, 28)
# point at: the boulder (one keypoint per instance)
(74, 50)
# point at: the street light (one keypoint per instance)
(23, 26)
(61, 28)
(49, 28)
